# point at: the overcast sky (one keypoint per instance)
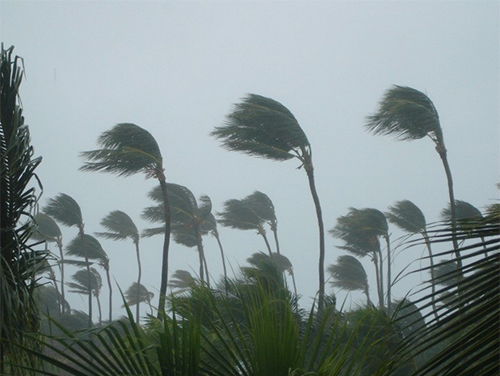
(176, 69)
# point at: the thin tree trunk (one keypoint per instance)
(61, 268)
(310, 174)
(275, 232)
(137, 319)
(389, 276)
(216, 234)
(110, 294)
(98, 307)
(262, 232)
(380, 292)
(199, 246)
(166, 243)
(433, 273)
(87, 262)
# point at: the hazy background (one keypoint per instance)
(176, 68)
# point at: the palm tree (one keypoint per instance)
(210, 225)
(360, 230)
(408, 217)
(128, 149)
(187, 219)
(48, 230)
(138, 293)
(263, 206)
(409, 114)
(65, 210)
(89, 248)
(348, 274)
(239, 214)
(120, 227)
(81, 285)
(182, 281)
(263, 127)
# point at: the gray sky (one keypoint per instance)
(176, 68)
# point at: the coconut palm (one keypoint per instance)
(81, 285)
(239, 214)
(134, 298)
(360, 230)
(89, 248)
(128, 149)
(182, 281)
(408, 114)
(408, 217)
(120, 227)
(263, 206)
(187, 219)
(349, 274)
(210, 225)
(48, 230)
(263, 127)
(65, 210)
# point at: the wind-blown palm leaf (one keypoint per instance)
(349, 274)
(263, 127)
(133, 298)
(264, 207)
(120, 227)
(126, 149)
(407, 216)
(18, 196)
(239, 215)
(46, 228)
(182, 281)
(470, 309)
(86, 246)
(64, 209)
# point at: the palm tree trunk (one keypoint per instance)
(61, 268)
(312, 185)
(389, 276)
(263, 234)
(110, 294)
(380, 288)
(433, 273)
(98, 307)
(138, 281)
(275, 232)
(216, 234)
(199, 246)
(166, 243)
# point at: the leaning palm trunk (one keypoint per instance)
(389, 276)
(87, 263)
(425, 235)
(312, 185)
(379, 279)
(216, 235)
(61, 269)
(110, 294)
(137, 312)
(166, 242)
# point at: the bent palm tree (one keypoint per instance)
(263, 127)
(128, 149)
(182, 281)
(264, 207)
(239, 214)
(409, 114)
(134, 298)
(121, 227)
(210, 225)
(348, 274)
(82, 285)
(48, 230)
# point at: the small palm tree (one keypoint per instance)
(349, 274)
(263, 127)
(81, 285)
(120, 226)
(128, 149)
(264, 207)
(48, 230)
(182, 281)
(239, 214)
(408, 115)
(134, 298)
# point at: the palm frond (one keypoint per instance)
(407, 216)
(86, 246)
(64, 209)
(46, 228)
(120, 227)
(406, 114)
(238, 214)
(348, 274)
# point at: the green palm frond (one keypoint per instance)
(239, 215)
(64, 209)
(120, 227)
(126, 149)
(85, 283)
(467, 215)
(407, 216)
(262, 127)
(406, 114)
(182, 281)
(348, 274)
(86, 246)
(137, 293)
(46, 228)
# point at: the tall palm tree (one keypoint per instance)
(187, 219)
(127, 149)
(408, 217)
(89, 248)
(120, 227)
(264, 207)
(81, 285)
(65, 210)
(349, 274)
(48, 230)
(239, 214)
(360, 230)
(210, 225)
(263, 127)
(409, 114)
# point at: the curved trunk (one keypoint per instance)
(98, 307)
(441, 149)
(310, 174)
(61, 268)
(367, 293)
(87, 262)
(216, 234)
(262, 232)
(201, 256)
(137, 317)
(380, 288)
(166, 243)
(275, 233)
